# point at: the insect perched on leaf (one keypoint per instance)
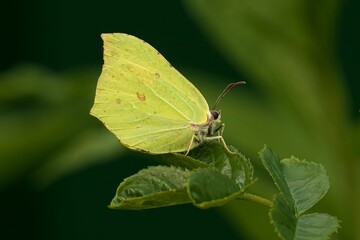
(147, 103)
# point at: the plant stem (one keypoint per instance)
(256, 198)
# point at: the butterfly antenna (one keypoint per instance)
(226, 90)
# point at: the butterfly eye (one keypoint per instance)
(215, 114)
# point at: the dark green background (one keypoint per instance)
(65, 35)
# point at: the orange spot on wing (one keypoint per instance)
(141, 96)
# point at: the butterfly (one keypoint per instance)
(148, 104)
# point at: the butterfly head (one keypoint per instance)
(214, 122)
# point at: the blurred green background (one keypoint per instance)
(59, 167)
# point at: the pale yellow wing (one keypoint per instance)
(143, 100)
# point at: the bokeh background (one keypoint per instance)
(59, 167)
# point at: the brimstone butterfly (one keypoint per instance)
(147, 103)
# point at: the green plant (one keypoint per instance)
(211, 176)
(152, 108)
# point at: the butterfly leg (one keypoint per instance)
(222, 141)
(219, 131)
(221, 128)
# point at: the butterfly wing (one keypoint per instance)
(143, 100)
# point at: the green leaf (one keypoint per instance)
(182, 161)
(153, 187)
(301, 182)
(272, 164)
(235, 166)
(282, 215)
(301, 185)
(307, 182)
(316, 226)
(209, 188)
